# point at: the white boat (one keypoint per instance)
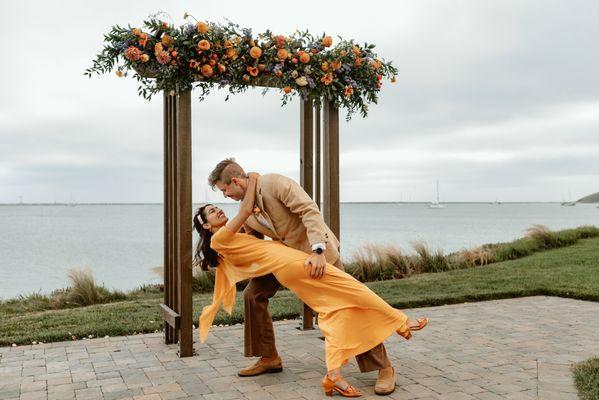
(569, 203)
(436, 204)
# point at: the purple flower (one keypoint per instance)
(189, 28)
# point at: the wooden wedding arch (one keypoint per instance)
(172, 60)
(176, 310)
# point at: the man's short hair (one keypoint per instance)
(225, 171)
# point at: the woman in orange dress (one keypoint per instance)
(352, 318)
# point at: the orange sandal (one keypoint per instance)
(329, 385)
(422, 322)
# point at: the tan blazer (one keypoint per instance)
(294, 217)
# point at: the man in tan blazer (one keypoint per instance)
(285, 212)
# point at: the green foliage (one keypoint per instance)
(586, 377)
(171, 59)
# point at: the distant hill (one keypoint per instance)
(591, 198)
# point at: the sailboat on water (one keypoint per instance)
(436, 204)
(569, 203)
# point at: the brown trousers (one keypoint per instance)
(259, 335)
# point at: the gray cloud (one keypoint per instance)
(496, 99)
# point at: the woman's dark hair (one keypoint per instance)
(204, 255)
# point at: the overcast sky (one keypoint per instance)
(496, 100)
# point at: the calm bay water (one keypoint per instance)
(122, 243)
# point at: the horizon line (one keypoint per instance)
(233, 203)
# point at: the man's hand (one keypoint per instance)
(316, 263)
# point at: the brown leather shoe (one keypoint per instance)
(385, 383)
(262, 367)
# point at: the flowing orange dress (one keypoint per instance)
(352, 318)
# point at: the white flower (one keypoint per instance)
(301, 81)
(294, 74)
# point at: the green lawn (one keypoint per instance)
(570, 272)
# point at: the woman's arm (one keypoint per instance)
(246, 207)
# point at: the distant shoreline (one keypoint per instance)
(343, 202)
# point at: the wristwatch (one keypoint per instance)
(318, 250)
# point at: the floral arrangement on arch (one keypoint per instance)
(206, 55)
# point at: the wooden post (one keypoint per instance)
(306, 180)
(331, 167)
(184, 224)
(169, 330)
(317, 140)
(176, 310)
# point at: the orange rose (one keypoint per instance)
(143, 39)
(358, 62)
(287, 89)
(327, 79)
(304, 58)
(212, 63)
(232, 54)
(221, 68)
(348, 91)
(282, 54)
(253, 71)
(327, 41)
(207, 70)
(202, 27)
(255, 52)
(144, 58)
(204, 45)
(167, 41)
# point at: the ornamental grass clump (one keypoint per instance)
(543, 236)
(428, 261)
(374, 262)
(84, 291)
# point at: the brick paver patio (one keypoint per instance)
(506, 349)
